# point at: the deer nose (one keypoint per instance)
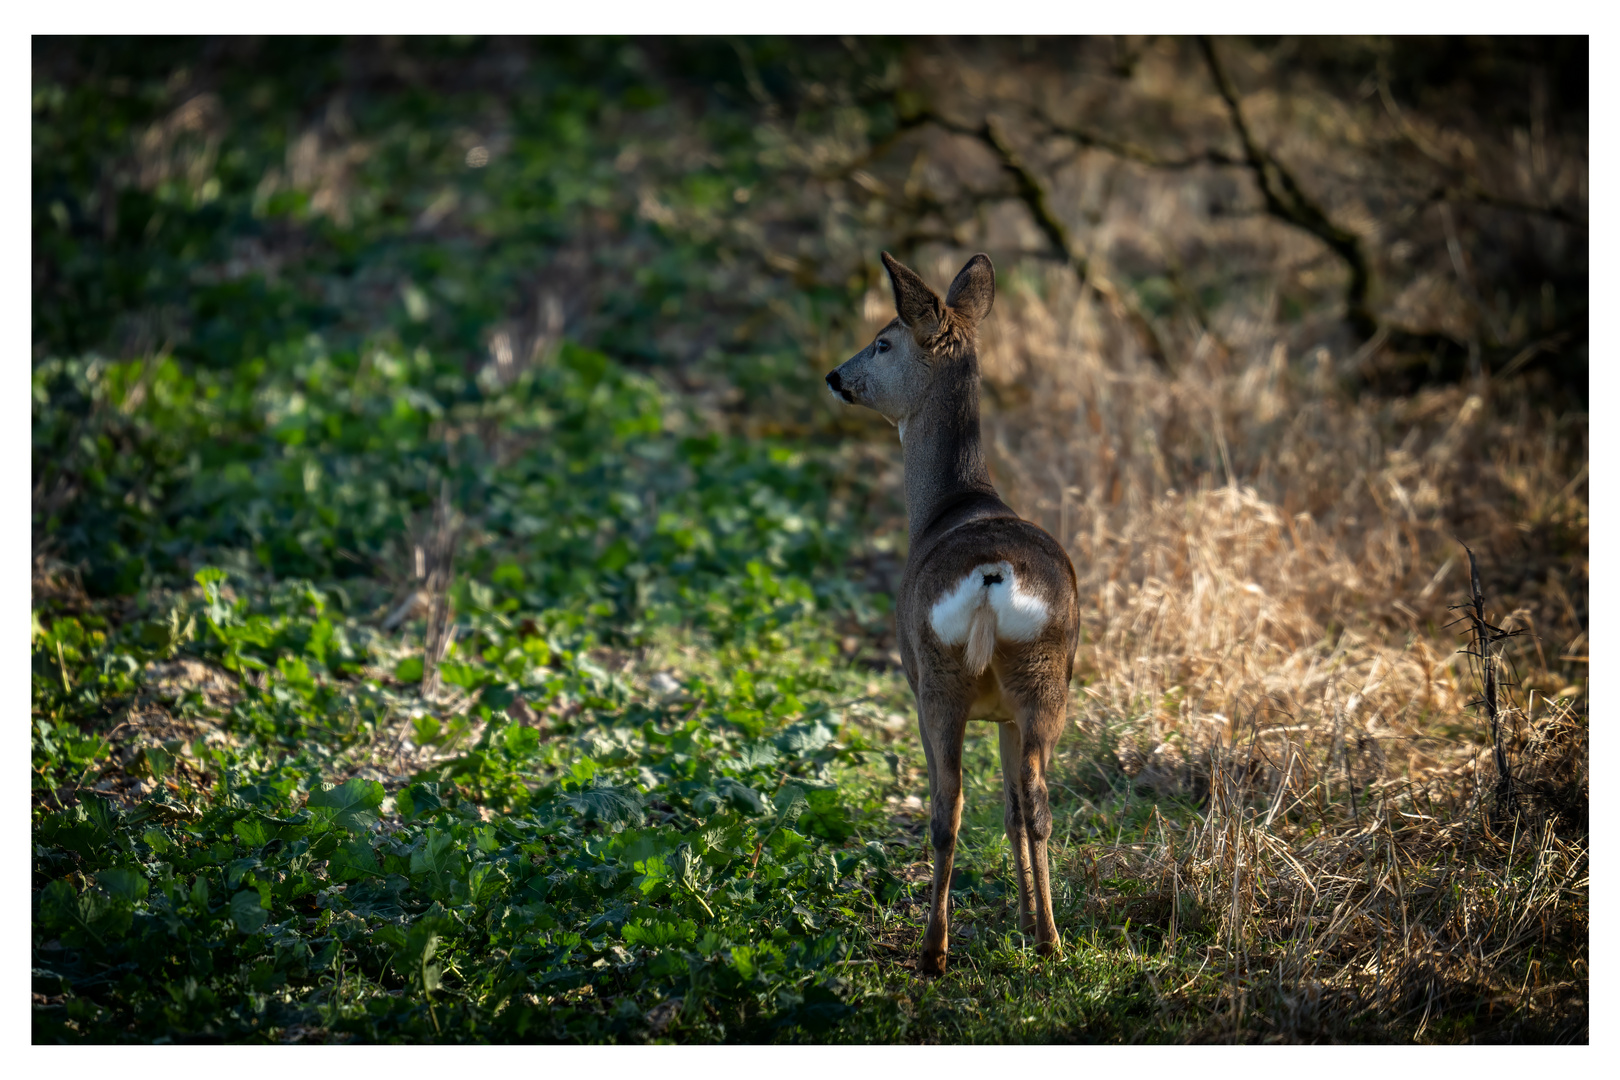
(835, 381)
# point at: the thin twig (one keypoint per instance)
(438, 557)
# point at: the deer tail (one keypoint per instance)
(981, 640)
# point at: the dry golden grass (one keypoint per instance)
(1267, 565)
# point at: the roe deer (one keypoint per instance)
(988, 610)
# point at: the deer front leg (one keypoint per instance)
(1011, 763)
(943, 728)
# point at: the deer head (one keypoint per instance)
(896, 372)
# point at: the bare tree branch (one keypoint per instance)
(1286, 201)
(1129, 151)
(1470, 191)
(1033, 194)
(1031, 191)
(1467, 188)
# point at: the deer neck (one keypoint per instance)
(942, 448)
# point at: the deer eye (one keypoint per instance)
(882, 346)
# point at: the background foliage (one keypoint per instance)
(459, 613)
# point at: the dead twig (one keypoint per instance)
(435, 559)
(1481, 649)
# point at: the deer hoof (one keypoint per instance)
(1048, 948)
(932, 964)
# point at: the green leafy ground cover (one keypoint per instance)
(602, 832)
(230, 841)
(589, 855)
(656, 797)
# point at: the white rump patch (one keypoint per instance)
(1019, 616)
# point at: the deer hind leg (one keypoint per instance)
(943, 719)
(1039, 726)
(1012, 757)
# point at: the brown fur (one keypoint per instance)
(922, 371)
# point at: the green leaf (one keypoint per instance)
(326, 957)
(392, 936)
(497, 697)
(425, 730)
(886, 887)
(477, 877)
(806, 917)
(237, 870)
(252, 832)
(57, 902)
(155, 760)
(756, 960)
(248, 911)
(826, 816)
(608, 804)
(803, 739)
(127, 885)
(296, 672)
(439, 860)
(354, 861)
(790, 803)
(408, 670)
(740, 795)
(618, 555)
(821, 1010)
(655, 871)
(437, 854)
(88, 916)
(759, 755)
(784, 842)
(209, 576)
(418, 799)
(465, 676)
(414, 949)
(660, 933)
(352, 805)
(521, 742)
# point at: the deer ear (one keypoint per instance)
(917, 305)
(974, 290)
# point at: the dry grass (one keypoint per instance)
(1269, 558)
(1268, 566)
(1273, 672)
(1406, 928)
(1269, 563)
